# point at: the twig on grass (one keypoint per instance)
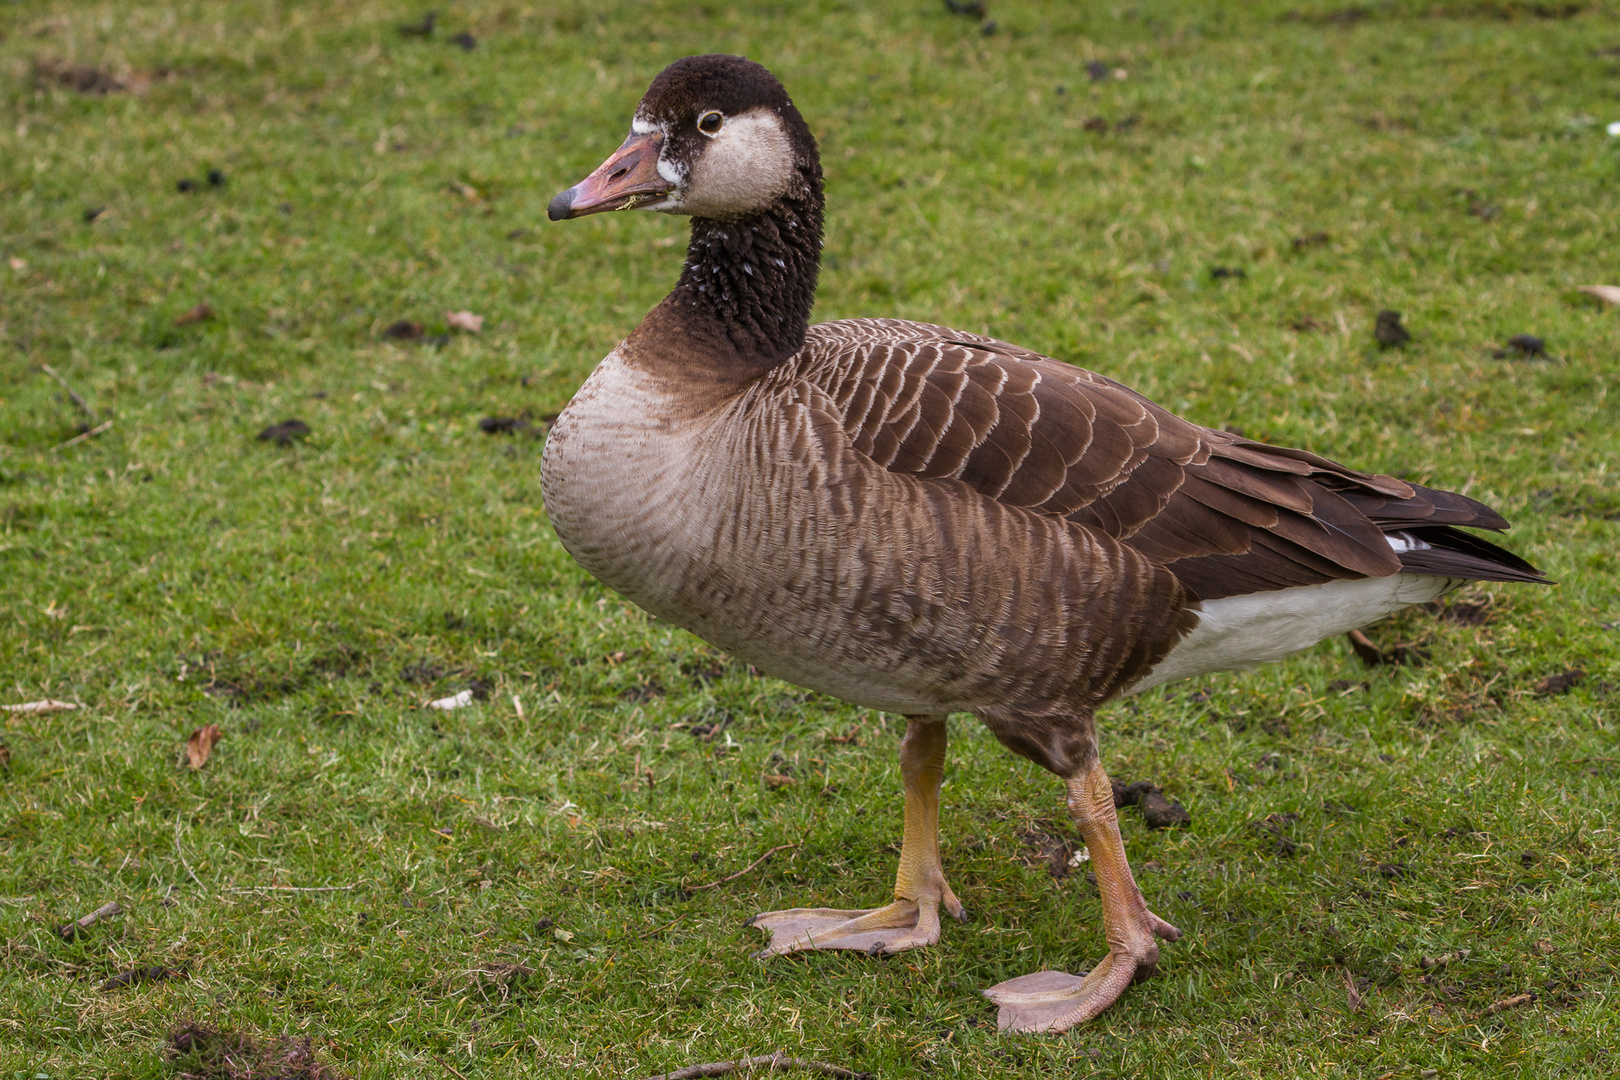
(453, 1070)
(288, 888)
(72, 393)
(1508, 1003)
(734, 877)
(69, 931)
(777, 1062)
(92, 433)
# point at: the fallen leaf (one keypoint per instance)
(18, 265)
(5, 756)
(201, 745)
(1352, 996)
(47, 705)
(464, 320)
(200, 313)
(456, 701)
(563, 935)
(1608, 293)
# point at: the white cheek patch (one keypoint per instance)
(670, 171)
(744, 168)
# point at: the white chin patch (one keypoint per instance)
(743, 169)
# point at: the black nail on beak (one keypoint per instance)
(558, 208)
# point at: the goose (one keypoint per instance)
(925, 521)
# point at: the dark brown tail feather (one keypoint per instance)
(1456, 554)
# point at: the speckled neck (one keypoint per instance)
(753, 281)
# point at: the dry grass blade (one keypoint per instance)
(777, 1062)
(72, 393)
(1607, 293)
(77, 439)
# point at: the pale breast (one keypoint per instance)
(755, 526)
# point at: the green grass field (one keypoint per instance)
(517, 882)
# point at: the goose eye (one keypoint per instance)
(711, 122)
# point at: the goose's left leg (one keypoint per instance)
(912, 921)
(1056, 1000)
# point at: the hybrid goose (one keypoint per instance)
(926, 521)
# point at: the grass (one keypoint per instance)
(518, 887)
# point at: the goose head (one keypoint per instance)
(714, 137)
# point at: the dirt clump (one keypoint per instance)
(200, 1053)
(1158, 812)
(1562, 683)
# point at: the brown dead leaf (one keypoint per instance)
(201, 744)
(464, 320)
(5, 756)
(200, 313)
(776, 781)
(1608, 293)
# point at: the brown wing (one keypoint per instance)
(1225, 514)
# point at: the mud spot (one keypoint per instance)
(1055, 853)
(200, 1053)
(1463, 612)
(1274, 829)
(1158, 812)
(404, 330)
(504, 425)
(140, 976)
(285, 433)
(1563, 683)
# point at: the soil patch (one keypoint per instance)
(200, 1053)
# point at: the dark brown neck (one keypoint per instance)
(751, 282)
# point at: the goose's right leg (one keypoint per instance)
(912, 921)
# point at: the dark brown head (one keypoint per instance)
(714, 137)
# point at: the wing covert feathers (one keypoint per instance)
(1225, 514)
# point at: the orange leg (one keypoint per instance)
(912, 921)
(1056, 1000)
